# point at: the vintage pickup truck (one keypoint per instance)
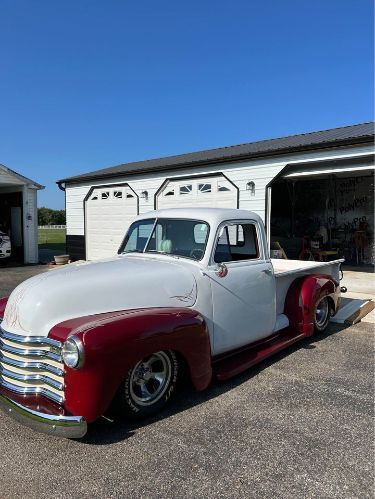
(191, 291)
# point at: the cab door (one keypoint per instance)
(243, 287)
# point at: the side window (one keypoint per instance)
(237, 242)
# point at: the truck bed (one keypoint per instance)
(286, 271)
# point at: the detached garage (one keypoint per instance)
(18, 214)
(302, 187)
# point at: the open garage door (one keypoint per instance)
(109, 212)
(325, 210)
(206, 191)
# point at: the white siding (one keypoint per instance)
(260, 171)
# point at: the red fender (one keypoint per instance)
(115, 342)
(302, 297)
(3, 304)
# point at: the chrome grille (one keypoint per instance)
(31, 365)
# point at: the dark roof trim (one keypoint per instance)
(337, 137)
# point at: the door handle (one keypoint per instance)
(221, 270)
(267, 271)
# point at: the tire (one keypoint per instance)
(149, 385)
(322, 314)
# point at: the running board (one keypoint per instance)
(225, 367)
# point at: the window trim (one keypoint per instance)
(260, 258)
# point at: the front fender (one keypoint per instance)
(3, 304)
(115, 342)
(302, 297)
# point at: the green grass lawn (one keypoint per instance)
(53, 239)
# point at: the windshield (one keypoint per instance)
(186, 238)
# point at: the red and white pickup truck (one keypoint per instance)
(191, 291)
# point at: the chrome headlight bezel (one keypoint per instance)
(73, 353)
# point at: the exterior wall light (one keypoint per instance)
(144, 195)
(250, 186)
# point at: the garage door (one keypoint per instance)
(207, 192)
(109, 212)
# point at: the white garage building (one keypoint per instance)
(326, 176)
(19, 215)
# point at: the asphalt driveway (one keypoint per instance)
(299, 425)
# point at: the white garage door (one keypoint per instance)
(109, 212)
(210, 192)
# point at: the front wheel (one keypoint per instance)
(322, 315)
(149, 385)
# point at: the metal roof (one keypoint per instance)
(346, 135)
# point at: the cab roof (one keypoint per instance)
(214, 216)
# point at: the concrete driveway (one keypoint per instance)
(299, 425)
(10, 277)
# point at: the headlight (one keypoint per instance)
(73, 352)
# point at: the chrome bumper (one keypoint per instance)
(59, 426)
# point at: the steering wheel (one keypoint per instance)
(196, 253)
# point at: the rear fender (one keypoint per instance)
(303, 296)
(115, 342)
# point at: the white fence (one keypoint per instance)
(52, 227)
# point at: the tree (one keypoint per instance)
(47, 216)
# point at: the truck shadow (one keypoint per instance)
(105, 432)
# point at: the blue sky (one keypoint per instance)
(89, 84)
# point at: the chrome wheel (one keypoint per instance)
(150, 379)
(322, 314)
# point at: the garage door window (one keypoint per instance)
(237, 242)
(105, 195)
(186, 189)
(222, 188)
(204, 188)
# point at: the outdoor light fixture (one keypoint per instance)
(250, 186)
(144, 195)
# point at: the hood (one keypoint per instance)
(120, 283)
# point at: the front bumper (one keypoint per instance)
(51, 424)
